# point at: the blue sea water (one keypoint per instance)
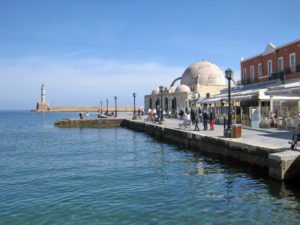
(52, 175)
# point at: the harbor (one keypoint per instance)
(266, 148)
(121, 176)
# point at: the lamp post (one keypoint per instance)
(229, 74)
(161, 88)
(134, 116)
(115, 106)
(106, 107)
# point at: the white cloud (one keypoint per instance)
(79, 81)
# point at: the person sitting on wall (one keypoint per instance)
(80, 116)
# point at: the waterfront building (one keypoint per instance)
(282, 65)
(42, 105)
(253, 103)
(200, 80)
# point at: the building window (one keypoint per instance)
(293, 62)
(244, 75)
(280, 64)
(174, 104)
(150, 103)
(269, 67)
(259, 70)
(252, 74)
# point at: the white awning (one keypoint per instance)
(242, 97)
(288, 91)
(209, 101)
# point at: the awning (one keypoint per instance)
(209, 101)
(242, 97)
(289, 91)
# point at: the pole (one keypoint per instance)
(115, 106)
(229, 105)
(161, 107)
(134, 105)
(106, 106)
(101, 106)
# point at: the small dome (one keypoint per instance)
(182, 88)
(204, 73)
(172, 89)
(155, 91)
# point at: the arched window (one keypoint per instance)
(166, 104)
(150, 103)
(174, 104)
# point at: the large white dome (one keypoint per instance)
(204, 73)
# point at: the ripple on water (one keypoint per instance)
(117, 176)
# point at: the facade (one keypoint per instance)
(200, 80)
(274, 63)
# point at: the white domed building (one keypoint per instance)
(200, 80)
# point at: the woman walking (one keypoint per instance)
(211, 120)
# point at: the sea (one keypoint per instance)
(51, 175)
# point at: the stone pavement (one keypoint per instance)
(268, 138)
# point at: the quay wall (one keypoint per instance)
(223, 147)
(281, 165)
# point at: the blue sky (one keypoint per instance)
(85, 51)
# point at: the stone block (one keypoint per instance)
(284, 165)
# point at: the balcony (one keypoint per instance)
(292, 69)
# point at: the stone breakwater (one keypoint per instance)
(86, 109)
(279, 164)
(89, 123)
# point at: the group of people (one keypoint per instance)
(153, 115)
(205, 117)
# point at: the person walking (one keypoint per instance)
(205, 120)
(193, 116)
(211, 120)
(196, 123)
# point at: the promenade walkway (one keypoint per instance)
(268, 138)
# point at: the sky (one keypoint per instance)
(85, 51)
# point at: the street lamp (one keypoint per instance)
(106, 107)
(229, 74)
(161, 88)
(134, 116)
(115, 106)
(134, 95)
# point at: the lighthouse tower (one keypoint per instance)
(42, 106)
(43, 94)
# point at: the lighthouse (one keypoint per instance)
(43, 94)
(42, 106)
